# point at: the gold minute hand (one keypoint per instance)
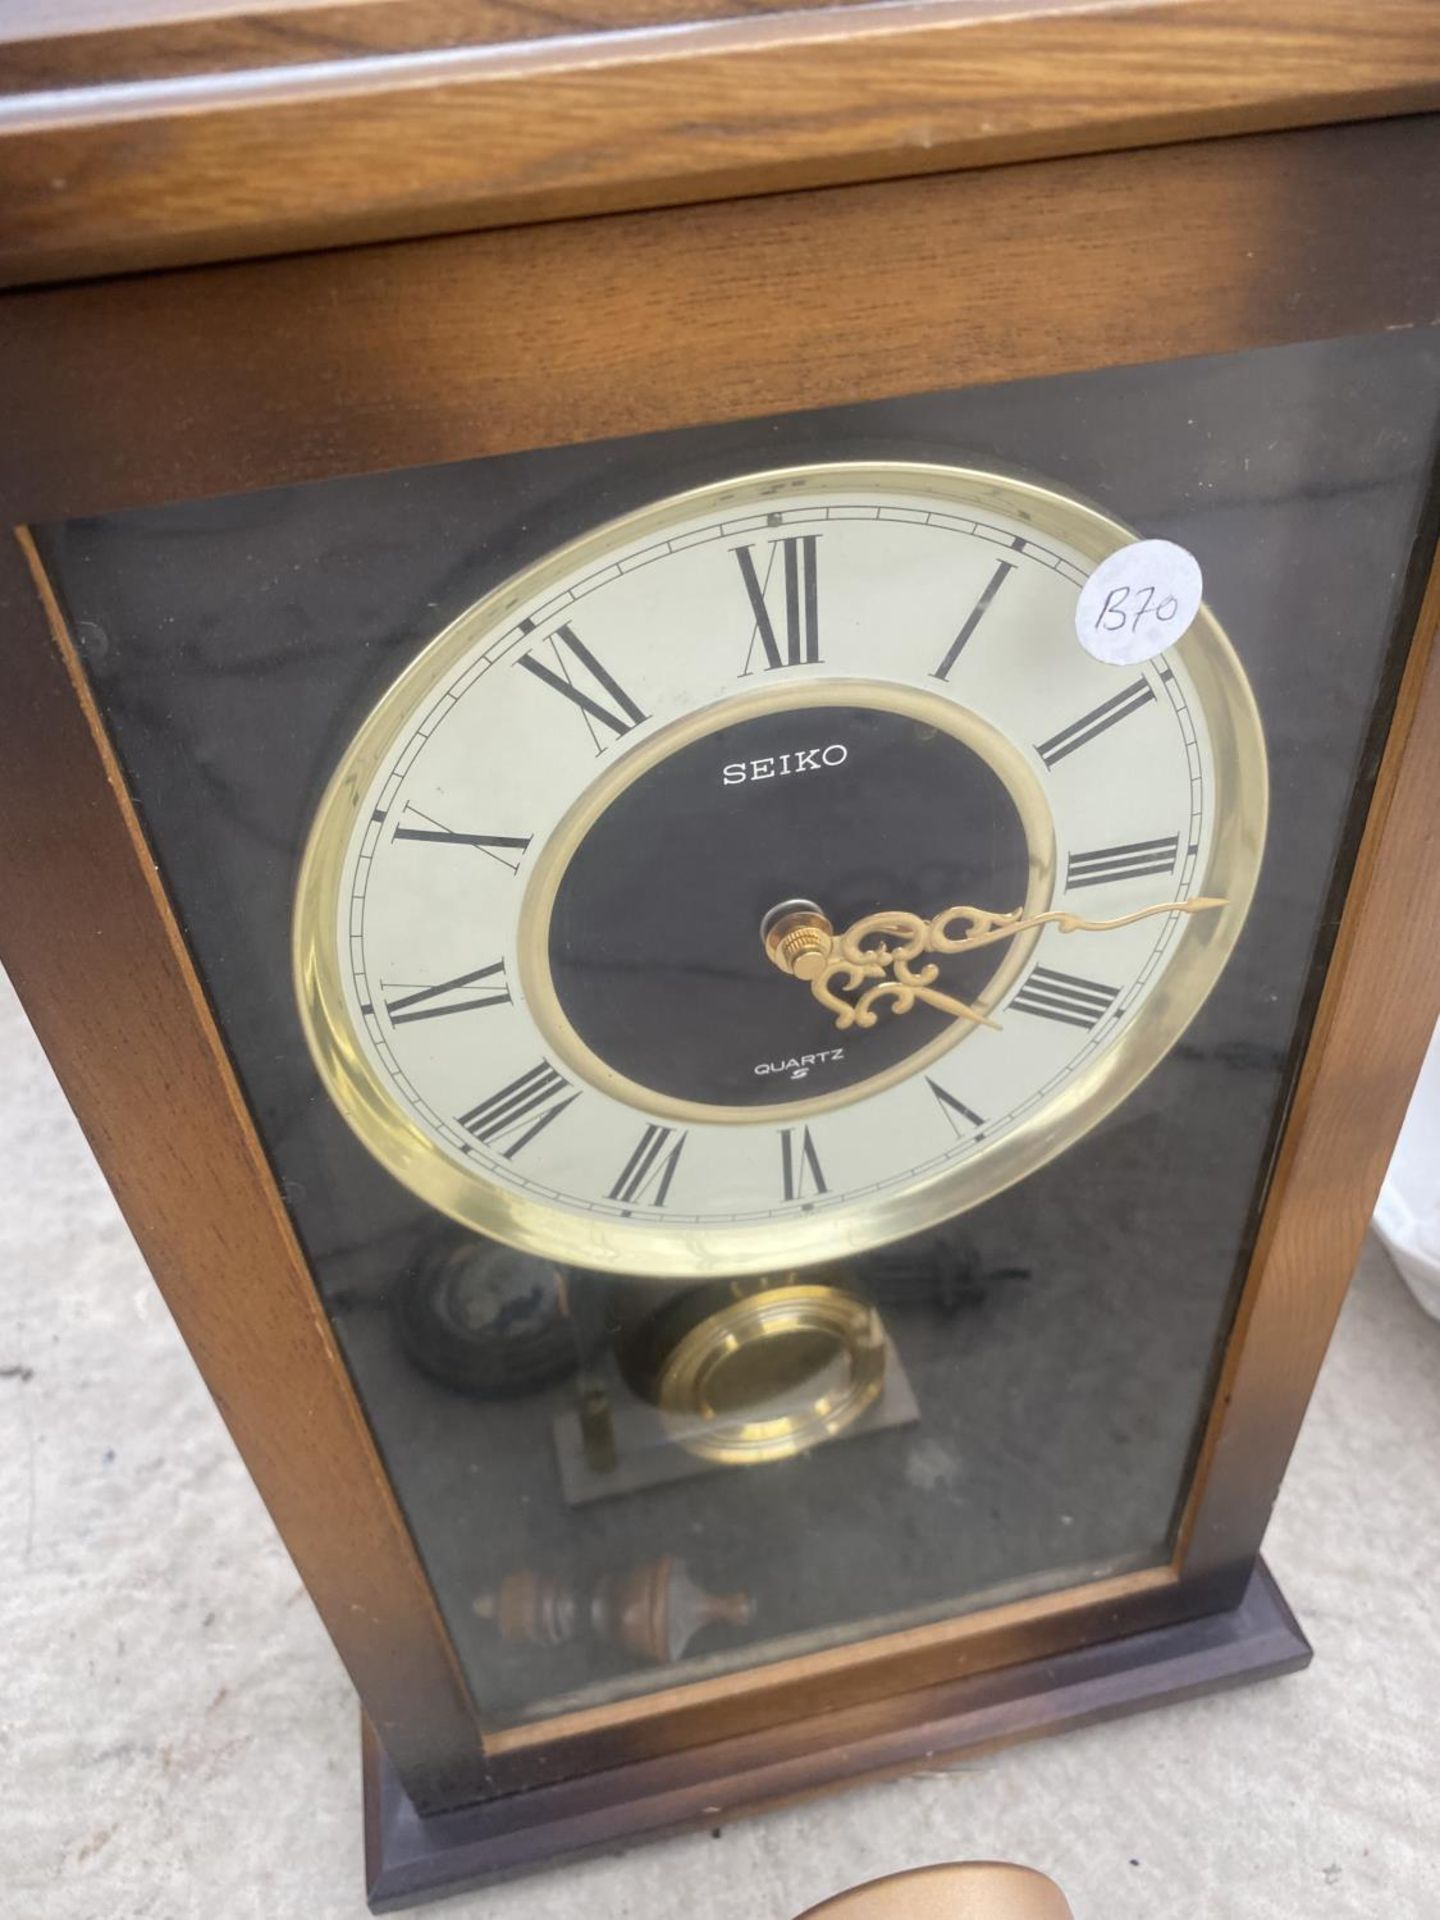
(881, 948)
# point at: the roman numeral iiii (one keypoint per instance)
(1064, 997)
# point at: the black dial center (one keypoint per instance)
(654, 943)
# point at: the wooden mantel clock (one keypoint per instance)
(719, 773)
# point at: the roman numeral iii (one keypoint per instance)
(574, 664)
(1122, 863)
(1064, 997)
(517, 1113)
(798, 592)
(645, 1179)
(1091, 725)
(798, 1162)
(427, 1003)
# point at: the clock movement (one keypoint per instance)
(729, 840)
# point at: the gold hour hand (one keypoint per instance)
(876, 955)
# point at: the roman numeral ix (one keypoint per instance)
(802, 602)
(427, 1003)
(651, 1165)
(498, 846)
(570, 654)
(974, 617)
(1122, 863)
(795, 1164)
(1091, 725)
(517, 1113)
(1064, 997)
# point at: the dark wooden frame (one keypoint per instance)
(214, 378)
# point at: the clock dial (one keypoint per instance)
(528, 925)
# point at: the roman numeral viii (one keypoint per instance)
(517, 1113)
(799, 595)
(1064, 997)
(651, 1166)
(798, 1162)
(1091, 725)
(573, 666)
(1121, 863)
(451, 996)
(974, 617)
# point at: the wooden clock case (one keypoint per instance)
(245, 246)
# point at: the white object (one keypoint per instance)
(1407, 1214)
(1138, 602)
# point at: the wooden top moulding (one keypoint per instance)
(170, 132)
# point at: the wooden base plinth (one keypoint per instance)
(410, 1858)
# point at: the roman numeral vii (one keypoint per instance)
(651, 1166)
(517, 1113)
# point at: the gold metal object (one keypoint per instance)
(927, 709)
(658, 1249)
(653, 1610)
(656, 1610)
(771, 1371)
(976, 1890)
(802, 942)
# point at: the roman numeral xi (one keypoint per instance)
(578, 676)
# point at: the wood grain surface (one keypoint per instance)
(91, 945)
(263, 159)
(1378, 1010)
(265, 373)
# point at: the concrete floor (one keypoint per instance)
(179, 1738)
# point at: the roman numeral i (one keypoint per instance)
(974, 617)
(801, 602)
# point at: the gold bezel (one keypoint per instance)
(658, 1249)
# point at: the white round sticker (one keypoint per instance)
(1138, 602)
